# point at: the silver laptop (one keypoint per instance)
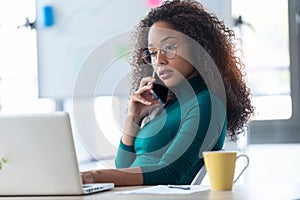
(37, 156)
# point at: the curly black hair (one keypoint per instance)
(191, 19)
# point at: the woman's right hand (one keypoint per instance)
(141, 100)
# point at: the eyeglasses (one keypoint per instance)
(168, 51)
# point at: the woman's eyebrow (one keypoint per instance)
(167, 38)
(164, 39)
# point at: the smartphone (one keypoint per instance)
(160, 93)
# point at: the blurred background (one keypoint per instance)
(43, 44)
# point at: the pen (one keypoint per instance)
(179, 187)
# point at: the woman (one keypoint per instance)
(191, 52)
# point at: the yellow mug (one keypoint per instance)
(220, 166)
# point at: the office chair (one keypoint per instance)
(228, 145)
(200, 176)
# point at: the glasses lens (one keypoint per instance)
(147, 57)
(170, 51)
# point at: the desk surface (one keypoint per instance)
(244, 192)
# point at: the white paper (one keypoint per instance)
(165, 189)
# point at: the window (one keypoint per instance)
(270, 45)
(18, 60)
(265, 43)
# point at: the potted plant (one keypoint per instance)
(2, 161)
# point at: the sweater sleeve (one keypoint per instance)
(125, 156)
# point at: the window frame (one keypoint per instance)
(284, 131)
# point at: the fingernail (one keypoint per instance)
(149, 83)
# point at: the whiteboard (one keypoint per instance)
(79, 27)
(75, 29)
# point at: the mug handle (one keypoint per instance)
(245, 167)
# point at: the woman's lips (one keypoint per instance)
(165, 74)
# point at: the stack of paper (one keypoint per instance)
(165, 189)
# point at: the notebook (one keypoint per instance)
(37, 156)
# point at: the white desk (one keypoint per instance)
(239, 192)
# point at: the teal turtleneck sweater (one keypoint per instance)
(169, 147)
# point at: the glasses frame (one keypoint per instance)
(147, 57)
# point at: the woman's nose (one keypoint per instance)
(160, 58)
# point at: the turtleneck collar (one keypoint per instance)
(187, 89)
(196, 83)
